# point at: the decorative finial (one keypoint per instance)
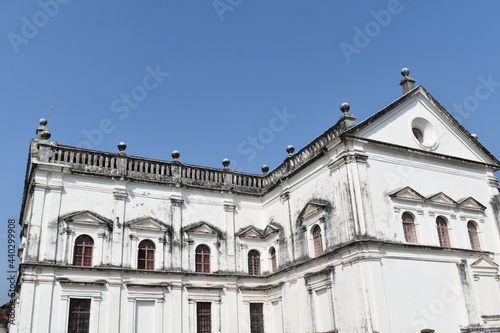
(405, 72)
(290, 149)
(407, 83)
(122, 146)
(265, 168)
(226, 162)
(175, 155)
(474, 136)
(41, 129)
(345, 107)
(45, 135)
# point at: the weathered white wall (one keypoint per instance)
(368, 280)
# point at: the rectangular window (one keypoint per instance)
(79, 315)
(256, 318)
(204, 317)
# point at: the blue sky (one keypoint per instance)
(229, 78)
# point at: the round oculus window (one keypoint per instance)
(424, 133)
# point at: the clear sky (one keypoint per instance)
(229, 78)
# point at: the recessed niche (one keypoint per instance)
(424, 133)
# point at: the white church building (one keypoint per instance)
(389, 225)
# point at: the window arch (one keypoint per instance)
(146, 256)
(202, 259)
(253, 262)
(442, 229)
(272, 257)
(409, 227)
(473, 236)
(83, 251)
(317, 241)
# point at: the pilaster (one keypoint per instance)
(229, 211)
(176, 203)
(49, 237)
(118, 249)
(33, 243)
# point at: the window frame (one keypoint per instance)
(203, 259)
(254, 262)
(274, 259)
(443, 232)
(475, 244)
(257, 318)
(409, 228)
(83, 259)
(144, 261)
(317, 240)
(203, 326)
(82, 322)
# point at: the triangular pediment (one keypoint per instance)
(202, 228)
(87, 217)
(270, 229)
(250, 232)
(441, 199)
(442, 134)
(471, 204)
(312, 210)
(253, 232)
(407, 193)
(148, 223)
(484, 262)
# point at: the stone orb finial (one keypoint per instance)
(265, 168)
(42, 121)
(176, 154)
(405, 72)
(345, 107)
(226, 162)
(122, 146)
(290, 149)
(45, 135)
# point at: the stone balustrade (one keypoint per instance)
(176, 173)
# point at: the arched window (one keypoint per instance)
(317, 241)
(442, 229)
(272, 257)
(473, 236)
(202, 259)
(146, 256)
(253, 262)
(409, 228)
(84, 248)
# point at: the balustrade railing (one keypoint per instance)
(123, 165)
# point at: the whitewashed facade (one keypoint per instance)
(389, 225)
